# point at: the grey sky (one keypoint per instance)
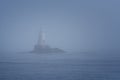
(73, 25)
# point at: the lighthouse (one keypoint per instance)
(42, 47)
(41, 39)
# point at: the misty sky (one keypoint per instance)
(73, 25)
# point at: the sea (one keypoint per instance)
(60, 66)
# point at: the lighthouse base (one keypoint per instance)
(46, 49)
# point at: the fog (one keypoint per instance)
(73, 25)
(87, 30)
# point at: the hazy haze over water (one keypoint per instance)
(87, 29)
(73, 25)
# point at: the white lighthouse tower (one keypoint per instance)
(41, 39)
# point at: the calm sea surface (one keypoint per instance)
(62, 66)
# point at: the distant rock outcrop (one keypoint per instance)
(46, 49)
